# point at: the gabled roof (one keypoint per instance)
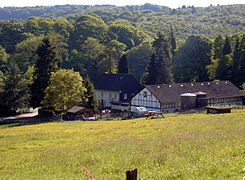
(167, 93)
(75, 109)
(117, 82)
(124, 83)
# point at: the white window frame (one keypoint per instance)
(125, 96)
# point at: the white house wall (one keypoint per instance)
(107, 97)
(146, 99)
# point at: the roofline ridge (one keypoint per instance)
(188, 83)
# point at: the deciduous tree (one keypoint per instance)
(192, 58)
(1, 82)
(15, 90)
(65, 90)
(3, 57)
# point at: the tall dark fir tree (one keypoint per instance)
(162, 53)
(236, 62)
(123, 66)
(150, 76)
(172, 40)
(90, 94)
(223, 70)
(241, 74)
(47, 62)
(159, 69)
(227, 47)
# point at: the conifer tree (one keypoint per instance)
(163, 60)
(223, 71)
(90, 94)
(241, 74)
(227, 47)
(46, 63)
(159, 69)
(123, 66)
(218, 46)
(236, 62)
(172, 40)
(149, 77)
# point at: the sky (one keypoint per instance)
(169, 3)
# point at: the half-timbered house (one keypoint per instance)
(167, 97)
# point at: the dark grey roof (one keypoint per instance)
(125, 83)
(75, 109)
(166, 93)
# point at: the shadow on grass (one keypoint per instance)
(25, 121)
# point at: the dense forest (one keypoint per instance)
(209, 21)
(54, 47)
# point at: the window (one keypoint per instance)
(101, 94)
(145, 94)
(125, 96)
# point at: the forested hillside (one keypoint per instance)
(156, 44)
(209, 21)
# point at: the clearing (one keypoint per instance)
(57, 150)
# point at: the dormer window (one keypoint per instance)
(125, 96)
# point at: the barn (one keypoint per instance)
(181, 96)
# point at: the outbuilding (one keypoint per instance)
(79, 113)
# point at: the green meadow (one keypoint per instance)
(57, 150)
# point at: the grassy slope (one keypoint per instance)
(109, 148)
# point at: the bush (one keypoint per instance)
(46, 112)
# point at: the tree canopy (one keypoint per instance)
(65, 90)
(47, 62)
(201, 44)
(14, 94)
(192, 58)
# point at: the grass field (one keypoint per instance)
(108, 148)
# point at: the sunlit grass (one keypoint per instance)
(108, 148)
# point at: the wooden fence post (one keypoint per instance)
(131, 174)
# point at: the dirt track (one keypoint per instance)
(21, 116)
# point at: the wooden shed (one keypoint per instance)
(79, 113)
